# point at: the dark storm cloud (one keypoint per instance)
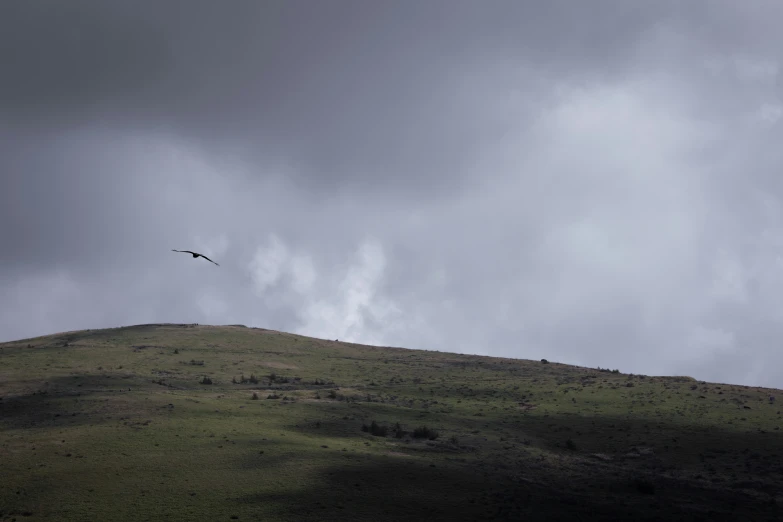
(594, 182)
(368, 92)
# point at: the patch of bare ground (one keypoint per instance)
(280, 365)
(397, 454)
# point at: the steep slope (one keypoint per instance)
(122, 424)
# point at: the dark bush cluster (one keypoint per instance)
(274, 378)
(423, 432)
(244, 380)
(382, 430)
(379, 430)
(206, 380)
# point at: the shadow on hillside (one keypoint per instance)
(395, 488)
(720, 470)
(66, 400)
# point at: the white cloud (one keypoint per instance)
(268, 264)
(353, 309)
(303, 274)
(770, 113)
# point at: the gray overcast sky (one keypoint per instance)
(598, 183)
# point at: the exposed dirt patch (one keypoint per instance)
(398, 454)
(281, 366)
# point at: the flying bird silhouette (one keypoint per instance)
(195, 255)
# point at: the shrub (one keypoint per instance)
(255, 396)
(570, 445)
(206, 380)
(379, 430)
(253, 379)
(332, 394)
(544, 361)
(176, 351)
(423, 432)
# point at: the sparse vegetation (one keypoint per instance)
(423, 432)
(245, 380)
(515, 439)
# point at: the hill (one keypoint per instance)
(191, 422)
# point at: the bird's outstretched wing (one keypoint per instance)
(208, 259)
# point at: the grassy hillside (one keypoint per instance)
(117, 425)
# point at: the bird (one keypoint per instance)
(195, 255)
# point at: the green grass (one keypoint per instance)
(116, 425)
